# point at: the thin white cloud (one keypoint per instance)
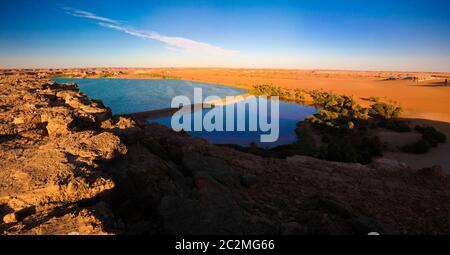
(172, 42)
(177, 42)
(88, 15)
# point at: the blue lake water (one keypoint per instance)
(136, 95)
(289, 115)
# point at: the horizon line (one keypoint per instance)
(221, 67)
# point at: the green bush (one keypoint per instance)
(338, 149)
(299, 95)
(385, 111)
(342, 122)
(368, 148)
(351, 148)
(431, 135)
(374, 99)
(305, 144)
(337, 111)
(430, 138)
(288, 150)
(419, 147)
(395, 125)
(271, 90)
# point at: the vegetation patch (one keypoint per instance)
(271, 90)
(374, 99)
(432, 135)
(351, 147)
(385, 111)
(337, 111)
(296, 95)
(305, 145)
(395, 125)
(344, 127)
(430, 138)
(106, 75)
(419, 147)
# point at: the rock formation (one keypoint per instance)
(68, 166)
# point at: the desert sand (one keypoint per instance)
(426, 98)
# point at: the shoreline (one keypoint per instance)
(153, 78)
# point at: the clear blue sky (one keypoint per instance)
(342, 34)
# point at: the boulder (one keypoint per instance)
(10, 218)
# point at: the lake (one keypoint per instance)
(290, 114)
(139, 95)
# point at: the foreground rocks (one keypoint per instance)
(68, 167)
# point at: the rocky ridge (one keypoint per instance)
(68, 166)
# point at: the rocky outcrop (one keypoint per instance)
(50, 149)
(68, 167)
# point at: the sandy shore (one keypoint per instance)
(170, 111)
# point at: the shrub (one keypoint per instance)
(374, 99)
(299, 95)
(288, 150)
(305, 144)
(430, 138)
(343, 123)
(385, 111)
(431, 135)
(351, 147)
(337, 111)
(395, 125)
(419, 147)
(368, 148)
(338, 149)
(271, 90)
(105, 75)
